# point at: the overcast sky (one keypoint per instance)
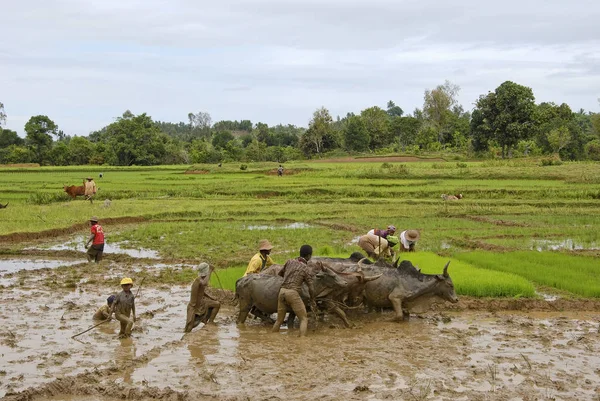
(84, 62)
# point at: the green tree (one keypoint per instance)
(559, 138)
(506, 115)
(377, 125)
(200, 124)
(437, 107)
(221, 138)
(356, 137)
(16, 154)
(39, 130)
(592, 150)
(393, 110)
(81, 150)
(9, 137)
(405, 129)
(59, 154)
(134, 140)
(319, 129)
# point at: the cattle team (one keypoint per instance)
(296, 272)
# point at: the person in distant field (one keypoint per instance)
(375, 242)
(90, 189)
(202, 307)
(408, 240)
(95, 251)
(280, 171)
(123, 306)
(295, 272)
(103, 312)
(261, 260)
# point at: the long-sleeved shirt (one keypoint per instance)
(124, 303)
(295, 272)
(258, 263)
(90, 187)
(102, 313)
(379, 233)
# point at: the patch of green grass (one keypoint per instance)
(576, 274)
(472, 281)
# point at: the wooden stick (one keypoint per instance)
(140, 287)
(93, 327)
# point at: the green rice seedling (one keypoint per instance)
(575, 274)
(470, 280)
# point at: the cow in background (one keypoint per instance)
(74, 190)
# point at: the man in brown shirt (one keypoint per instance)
(295, 272)
(123, 305)
(202, 307)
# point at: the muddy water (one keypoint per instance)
(13, 265)
(458, 355)
(77, 243)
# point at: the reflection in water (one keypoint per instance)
(292, 226)
(78, 244)
(553, 245)
(124, 353)
(13, 265)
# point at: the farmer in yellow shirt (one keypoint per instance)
(261, 260)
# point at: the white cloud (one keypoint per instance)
(83, 62)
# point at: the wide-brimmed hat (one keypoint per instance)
(94, 218)
(412, 235)
(264, 245)
(88, 178)
(203, 269)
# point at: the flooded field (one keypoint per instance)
(467, 353)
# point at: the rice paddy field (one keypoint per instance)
(520, 225)
(523, 247)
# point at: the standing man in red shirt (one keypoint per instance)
(95, 251)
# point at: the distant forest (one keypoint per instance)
(504, 123)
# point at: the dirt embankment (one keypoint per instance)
(381, 159)
(57, 232)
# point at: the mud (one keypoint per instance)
(477, 349)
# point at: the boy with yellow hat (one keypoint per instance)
(122, 306)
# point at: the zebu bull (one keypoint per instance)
(405, 288)
(337, 264)
(331, 289)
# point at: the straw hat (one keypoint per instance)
(264, 245)
(88, 178)
(203, 269)
(94, 218)
(412, 235)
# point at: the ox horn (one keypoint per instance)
(361, 264)
(373, 277)
(446, 269)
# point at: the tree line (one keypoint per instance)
(505, 123)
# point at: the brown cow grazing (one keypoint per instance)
(73, 190)
(3, 206)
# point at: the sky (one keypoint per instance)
(84, 62)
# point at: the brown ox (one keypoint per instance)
(73, 190)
